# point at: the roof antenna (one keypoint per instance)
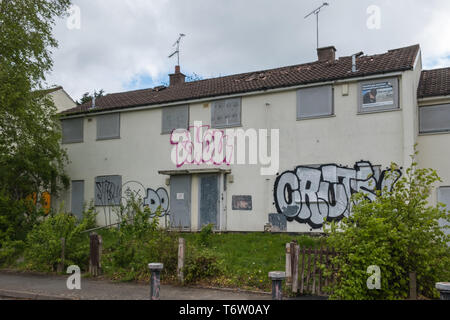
(316, 12)
(177, 45)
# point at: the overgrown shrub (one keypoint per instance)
(398, 232)
(17, 218)
(202, 264)
(205, 235)
(43, 243)
(139, 241)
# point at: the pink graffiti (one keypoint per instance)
(208, 146)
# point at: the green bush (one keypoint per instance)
(202, 264)
(43, 243)
(139, 241)
(398, 232)
(17, 218)
(205, 235)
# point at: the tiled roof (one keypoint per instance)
(315, 72)
(434, 83)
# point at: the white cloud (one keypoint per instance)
(121, 42)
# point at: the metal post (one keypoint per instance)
(155, 279)
(277, 278)
(444, 289)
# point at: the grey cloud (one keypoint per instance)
(120, 40)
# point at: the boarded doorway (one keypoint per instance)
(77, 203)
(180, 197)
(209, 196)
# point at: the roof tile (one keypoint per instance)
(315, 72)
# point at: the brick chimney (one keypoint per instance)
(326, 54)
(177, 77)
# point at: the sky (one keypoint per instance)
(123, 45)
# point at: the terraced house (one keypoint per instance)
(330, 128)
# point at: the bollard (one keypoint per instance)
(444, 289)
(277, 278)
(155, 278)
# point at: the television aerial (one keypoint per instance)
(177, 45)
(316, 12)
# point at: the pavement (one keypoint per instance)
(24, 286)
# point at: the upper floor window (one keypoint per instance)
(108, 126)
(315, 102)
(378, 95)
(434, 118)
(226, 113)
(72, 130)
(175, 118)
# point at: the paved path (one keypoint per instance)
(31, 286)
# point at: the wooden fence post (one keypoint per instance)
(413, 286)
(295, 255)
(288, 265)
(94, 259)
(60, 268)
(181, 256)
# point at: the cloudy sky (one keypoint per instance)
(123, 45)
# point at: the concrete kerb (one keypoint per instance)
(12, 294)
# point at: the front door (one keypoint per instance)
(180, 198)
(209, 200)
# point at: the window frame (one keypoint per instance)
(396, 87)
(72, 141)
(298, 104)
(164, 132)
(225, 126)
(98, 127)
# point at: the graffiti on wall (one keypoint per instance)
(158, 199)
(108, 190)
(314, 194)
(110, 193)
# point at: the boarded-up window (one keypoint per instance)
(314, 102)
(226, 113)
(175, 118)
(378, 95)
(72, 130)
(77, 201)
(108, 190)
(108, 126)
(435, 118)
(444, 197)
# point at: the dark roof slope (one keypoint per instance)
(394, 60)
(434, 83)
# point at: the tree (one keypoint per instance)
(87, 97)
(31, 157)
(399, 232)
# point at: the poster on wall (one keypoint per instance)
(242, 203)
(379, 94)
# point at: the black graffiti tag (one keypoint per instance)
(313, 195)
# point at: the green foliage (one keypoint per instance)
(43, 243)
(31, 158)
(139, 241)
(17, 218)
(88, 96)
(205, 235)
(202, 264)
(399, 232)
